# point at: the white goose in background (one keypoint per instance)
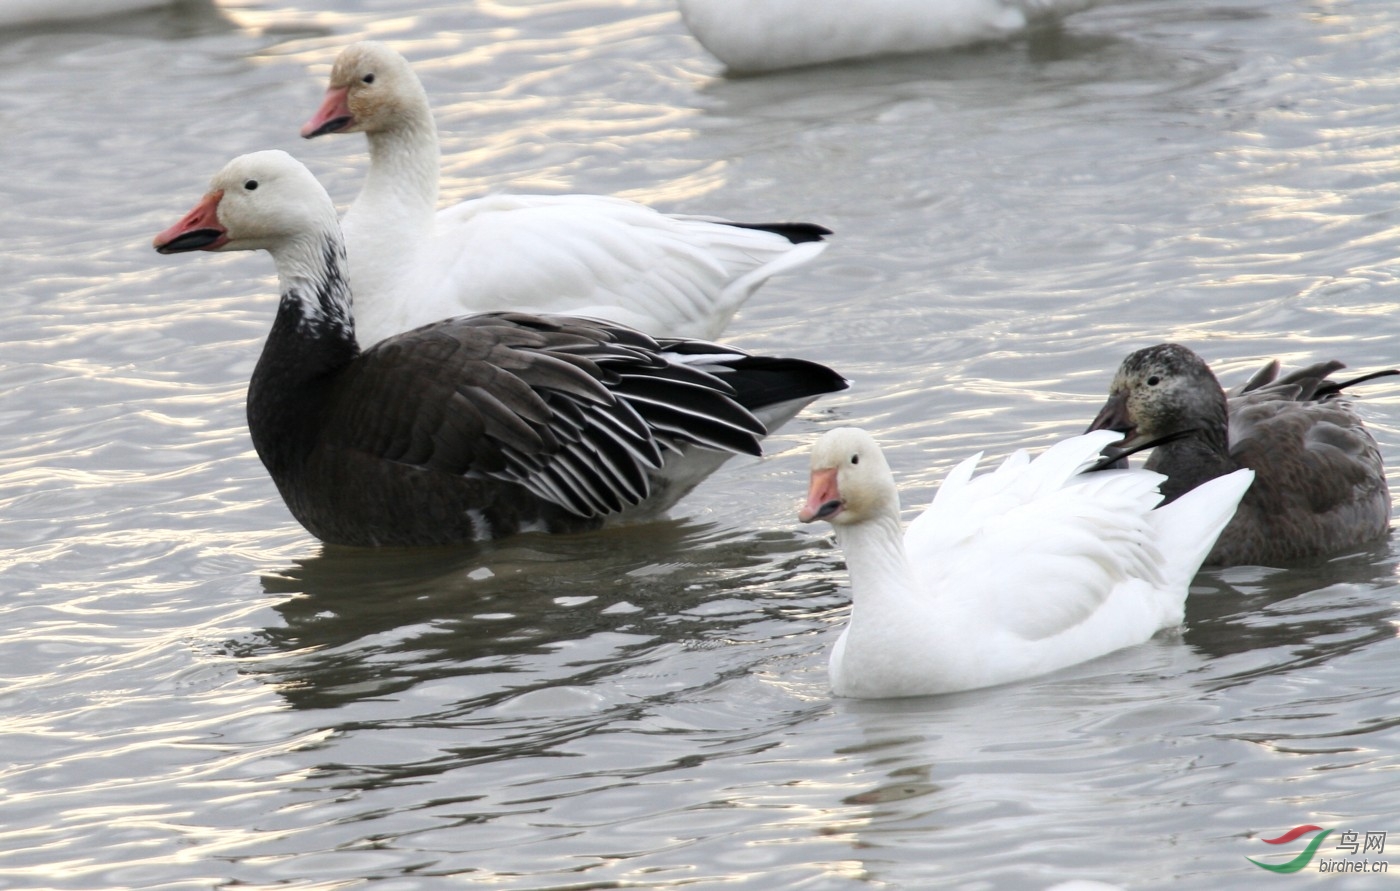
(585, 255)
(21, 13)
(764, 35)
(1008, 575)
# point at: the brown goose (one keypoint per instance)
(475, 427)
(1319, 485)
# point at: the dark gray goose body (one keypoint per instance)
(1319, 486)
(475, 427)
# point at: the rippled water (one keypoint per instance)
(196, 693)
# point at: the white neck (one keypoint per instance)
(391, 223)
(889, 637)
(876, 562)
(402, 185)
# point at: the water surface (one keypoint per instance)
(194, 693)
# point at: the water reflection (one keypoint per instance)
(984, 770)
(362, 624)
(1279, 611)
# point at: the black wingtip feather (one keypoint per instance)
(797, 233)
(761, 381)
(1333, 388)
(1115, 458)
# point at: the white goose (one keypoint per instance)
(584, 255)
(1012, 574)
(764, 35)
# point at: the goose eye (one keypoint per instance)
(368, 78)
(1153, 381)
(250, 185)
(855, 459)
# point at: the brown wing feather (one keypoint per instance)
(577, 411)
(1320, 480)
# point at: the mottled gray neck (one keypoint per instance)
(1193, 460)
(315, 286)
(312, 339)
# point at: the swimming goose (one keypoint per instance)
(584, 255)
(1321, 484)
(1008, 575)
(22, 13)
(469, 428)
(764, 35)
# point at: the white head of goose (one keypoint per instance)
(476, 427)
(1015, 573)
(590, 255)
(1320, 485)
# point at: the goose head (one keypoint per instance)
(268, 201)
(372, 89)
(261, 201)
(851, 482)
(1162, 391)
